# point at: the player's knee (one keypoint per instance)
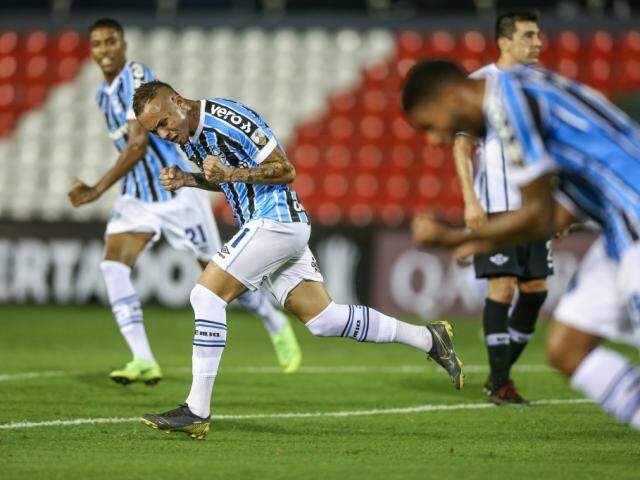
(329, 322)
(502, 289)
(566, 349)
(118, 254)
(114, 270)
(533, 286)
(205, 302)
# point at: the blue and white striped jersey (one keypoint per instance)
(116, 103)
(548, 123)
(241, 139)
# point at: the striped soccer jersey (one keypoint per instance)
(548, 123)
(494, 189)
(241, 139)
(116, 103)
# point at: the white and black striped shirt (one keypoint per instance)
(494, 188)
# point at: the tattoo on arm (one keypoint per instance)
(198, 181)
(275, 169)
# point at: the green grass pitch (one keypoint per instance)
(71, 350)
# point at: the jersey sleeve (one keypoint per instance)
(138, 74)
(244, 127)
(516, 116)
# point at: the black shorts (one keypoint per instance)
(527, 261)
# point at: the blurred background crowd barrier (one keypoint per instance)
(326, 76)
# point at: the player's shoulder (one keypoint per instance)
(486, 71)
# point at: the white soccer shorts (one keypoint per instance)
(271, 255)
(602, 298)
(186, 221)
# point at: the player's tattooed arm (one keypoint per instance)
(275, 169)
(173, 178)
(133, 151)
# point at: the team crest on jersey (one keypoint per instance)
(259, 138)
(137, 72)
(499, 259)
(232, 117)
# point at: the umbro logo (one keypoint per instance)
(499, 259)
(225, 250)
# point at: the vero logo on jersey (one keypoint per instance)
(232, 117)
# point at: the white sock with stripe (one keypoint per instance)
(257, 302)
(613, 381)
(126, 307)
(365, 324)
(209, 341)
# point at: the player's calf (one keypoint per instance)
(365, 324)
(127, 311)
(603, 375)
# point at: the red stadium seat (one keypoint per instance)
(8, 96)
(67, 68)
(374, 101)
(361, 214)
(366, 185)
(306, 156)
(409, 44)
(473, 44)
(36, 43)
(335, 185)
(337, 157)
(8, 68)
(601, 45)
(441, 44)
(369, 157)
(7, 122)
(8, 43)
(567, 45)
(393, 215)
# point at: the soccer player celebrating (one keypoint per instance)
(240, 155)
(523, 266)
(145, 210)
(573, 155)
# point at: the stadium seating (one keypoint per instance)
(333, 97)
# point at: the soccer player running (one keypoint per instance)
(240, 155)
(573, 155)
(145, 211)
(524, 266)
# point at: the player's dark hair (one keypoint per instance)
(107, 23)
(426, 78)
(147, 92)
(506, 23)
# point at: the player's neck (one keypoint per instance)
(193, 114)
(506, 61)
(110, 77)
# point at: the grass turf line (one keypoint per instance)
(568, 441)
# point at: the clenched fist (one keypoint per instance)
(82, 193)
(173, 178)
(215, 171)
(474, 216)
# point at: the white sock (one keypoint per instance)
(257, 302)
(209, 341)
(610, 379)
(126, 307)
(365, 324)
